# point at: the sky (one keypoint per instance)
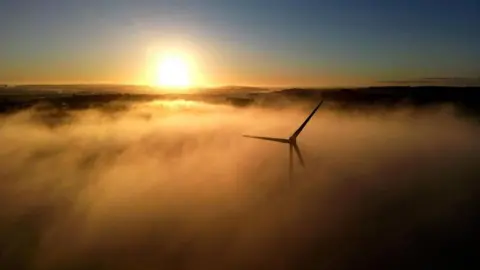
(319, 43)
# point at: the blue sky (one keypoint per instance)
(294, 43)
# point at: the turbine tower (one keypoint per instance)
(291, 141)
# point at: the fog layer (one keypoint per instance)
(174, 185)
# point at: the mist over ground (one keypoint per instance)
(173, 185)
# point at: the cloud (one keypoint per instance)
(173, 185)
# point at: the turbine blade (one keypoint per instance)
(280, 140)
(299, 154)
(297, 132)
(290, 162)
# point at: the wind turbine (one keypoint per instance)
(291, 141)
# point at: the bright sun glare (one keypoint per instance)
(173, 71)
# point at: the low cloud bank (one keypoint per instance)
(173, 185)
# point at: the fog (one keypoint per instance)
(174, 185)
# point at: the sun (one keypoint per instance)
(173, 71)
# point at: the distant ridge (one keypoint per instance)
(233, 90)
(467, 99)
